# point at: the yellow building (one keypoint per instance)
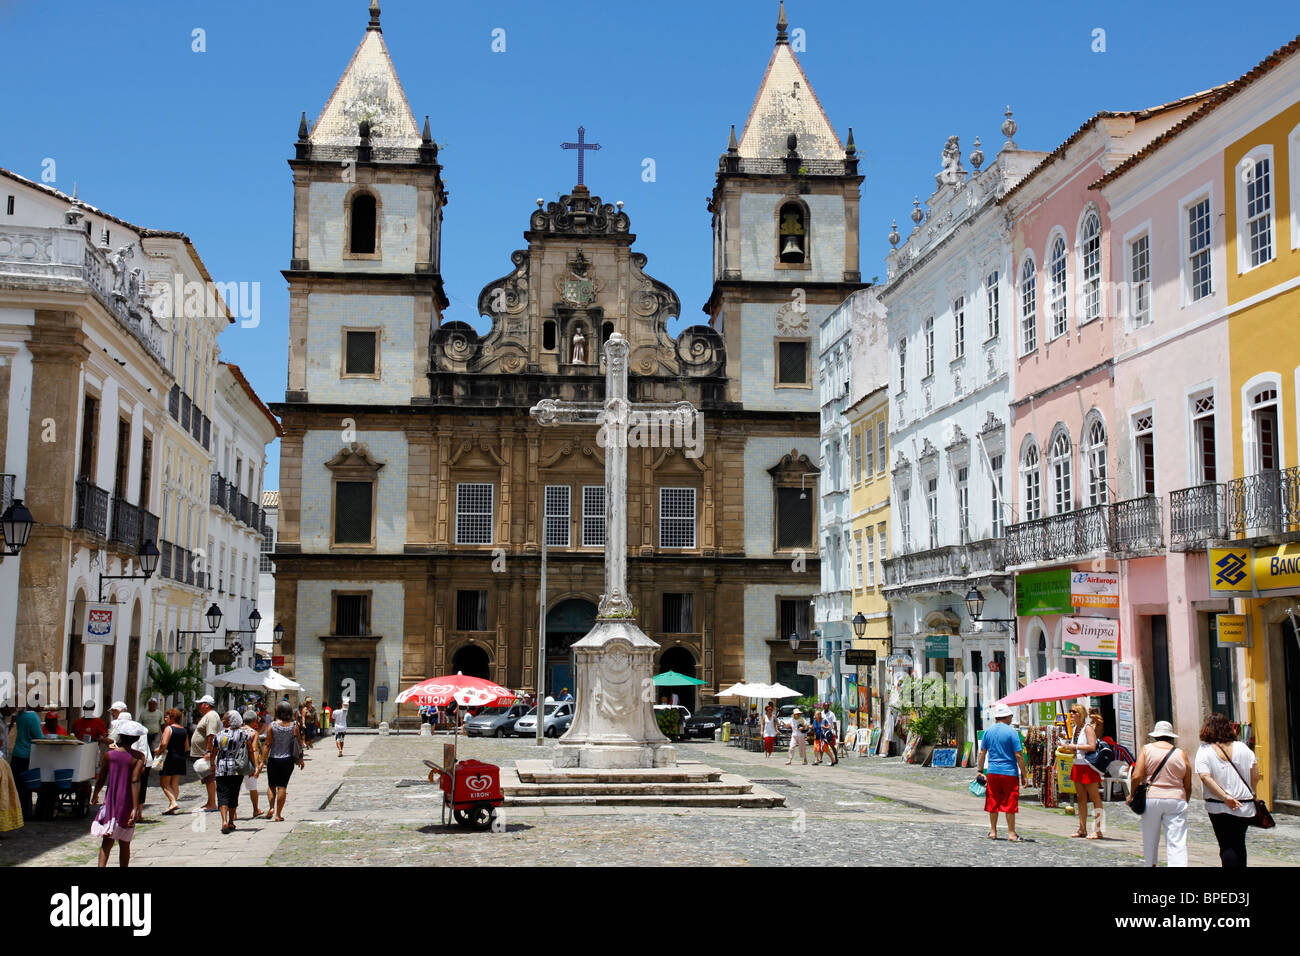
(869, 524)
(1261, 505)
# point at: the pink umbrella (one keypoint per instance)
(1058, 685)
(466, 691)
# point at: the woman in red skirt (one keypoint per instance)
(1087, 781)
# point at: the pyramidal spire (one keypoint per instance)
(786, 104)
(368, 89)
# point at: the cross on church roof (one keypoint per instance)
(581, 146)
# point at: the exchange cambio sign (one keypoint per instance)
(1090, 637)
(1094, 589)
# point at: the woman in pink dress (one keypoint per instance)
(116, 818)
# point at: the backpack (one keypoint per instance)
(1101, 758)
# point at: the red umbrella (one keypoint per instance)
(466, 691)
(1058, 685)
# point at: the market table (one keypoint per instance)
(51, 754)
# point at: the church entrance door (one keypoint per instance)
(682, 661)
(472, 661)
(567, 622)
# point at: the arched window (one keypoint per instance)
(1097, 489)
(1056, 288)
(1090, 255)
(363, 225)
(792, 233)
(1028, 308)
(1059, 460)
(1031, 483)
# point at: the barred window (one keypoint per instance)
(353, 518)
(1139, 277)
(1056, 288)
(593, 516)
(1090, 283)
(794, 618)
(471, 610)
(1028, 308)
(679, 613)
(1198, 249)
(474, 513)
(557, 516)
(360, 355)
(992, 308)
(676, 517)
(1259, 212)
(351, 615)
(959, 327)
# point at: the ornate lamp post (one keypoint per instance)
(16, 526)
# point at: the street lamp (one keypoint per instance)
(794, 640)
(278, 633)
(16, 526)
(148, 564)
(975, 607)
(859, 624)
(214, 620)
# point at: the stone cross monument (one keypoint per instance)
(614, 725)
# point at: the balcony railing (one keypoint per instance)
(148, 529)
(126, 525)
(164, 559)
(91, 508)
(1135, 525)
(1122, 528)
(947, 563)
(1263, 505)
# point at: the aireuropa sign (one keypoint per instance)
(1094, 589)
(1248, 572)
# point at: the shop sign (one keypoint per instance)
(1230, 571)
(1043, 592)
(101, 621)
(1125, 725)
(1277, 568)
(1090, 637)
(1233, 629)
(942, 645)
(900, 661)
(1094, 589)
(856, 657)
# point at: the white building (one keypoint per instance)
(242, 427)
(266, 574)
(861, 318)
(948, 294)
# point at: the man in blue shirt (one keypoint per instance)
(28, 724)
(1001, 748)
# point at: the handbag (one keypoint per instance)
(1138, 801)
(1262, 818)
(297, 749)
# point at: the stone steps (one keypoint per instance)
(535, 783)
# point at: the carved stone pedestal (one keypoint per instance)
(614, 726)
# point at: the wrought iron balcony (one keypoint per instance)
(1135, 526)
(955, 562)
(91, 508)
(1060, 537)
(164, 559)
(148, 529)
(1263, 505)
(126, 525)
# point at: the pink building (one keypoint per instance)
(1071, 513)
(1172, 417)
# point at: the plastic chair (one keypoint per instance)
(1117, 772)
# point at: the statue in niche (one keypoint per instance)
(578, 348)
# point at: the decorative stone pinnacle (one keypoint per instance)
(977, 155)
(893, 234)
(917, 215)
(374, 17)
(781, 24)
(426, 137)
(302, 127)
(1009, 130)
(851, 149)
(732, 145)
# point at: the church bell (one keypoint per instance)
(792, 249)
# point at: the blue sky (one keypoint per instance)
(169, 138)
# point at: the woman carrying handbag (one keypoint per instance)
(1161, 797)
(1223, 762)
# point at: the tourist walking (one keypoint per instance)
(1087, 781)
(1168, 775)
(230, 751)
(171, 747)
(28, 724)
(340, 717)
(283, 750)
(769, 730)
(151, 717)
(141, 746)
(253, 779)
(1229, 775)
(798, 737)
(120, 770)
(1002, 751)
(831, 731)
(209, 723)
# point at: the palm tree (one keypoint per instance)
(171, 682)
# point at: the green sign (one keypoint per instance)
(936, 645)
(1043, 592)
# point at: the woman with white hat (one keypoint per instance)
(1168, 773)
(798, 736)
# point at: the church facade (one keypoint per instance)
(417, 492)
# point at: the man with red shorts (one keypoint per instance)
(1001, 748)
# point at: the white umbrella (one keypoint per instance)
(739, 689)
(243, 677)
(277, 681)
(780, 690)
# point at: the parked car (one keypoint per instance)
(708, 719)
(556, 720)
(495, 721)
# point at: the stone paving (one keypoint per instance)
(375, 807)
